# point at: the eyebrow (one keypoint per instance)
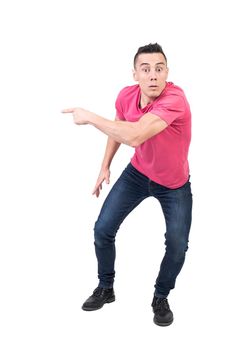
(147, 64)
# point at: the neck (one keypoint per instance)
(144, 100)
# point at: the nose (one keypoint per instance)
(153, 75)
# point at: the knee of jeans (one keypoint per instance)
(177, 248)
(103, 234)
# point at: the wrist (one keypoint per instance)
(105, 166)
(92, 118)
(89, 117)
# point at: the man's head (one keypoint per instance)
(150, 70)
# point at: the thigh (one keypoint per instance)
(177, 209)
(128, 191)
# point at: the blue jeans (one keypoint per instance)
(131, 189)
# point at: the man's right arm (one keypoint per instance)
(110, 151)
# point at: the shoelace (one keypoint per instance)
(161, 304)
(97, 292)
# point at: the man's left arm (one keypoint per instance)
(130, 133)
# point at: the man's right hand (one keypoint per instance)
(104, 175)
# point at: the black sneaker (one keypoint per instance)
(99, 297)
(163, 316)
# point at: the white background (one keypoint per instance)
(62, 54)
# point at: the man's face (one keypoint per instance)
(151, 74)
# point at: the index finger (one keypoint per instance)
(68, 110)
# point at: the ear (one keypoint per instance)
(134, 74)
(167, 71)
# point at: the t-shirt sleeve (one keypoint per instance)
(119, 107)
(169, 108)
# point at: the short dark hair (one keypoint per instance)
(151, 48)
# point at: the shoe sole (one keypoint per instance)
(162, 324)
(108, 301)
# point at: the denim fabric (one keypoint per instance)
(131, 189)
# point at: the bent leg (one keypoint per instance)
(129, 190)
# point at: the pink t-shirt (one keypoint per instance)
(163, 157)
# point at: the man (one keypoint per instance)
(154, 117)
